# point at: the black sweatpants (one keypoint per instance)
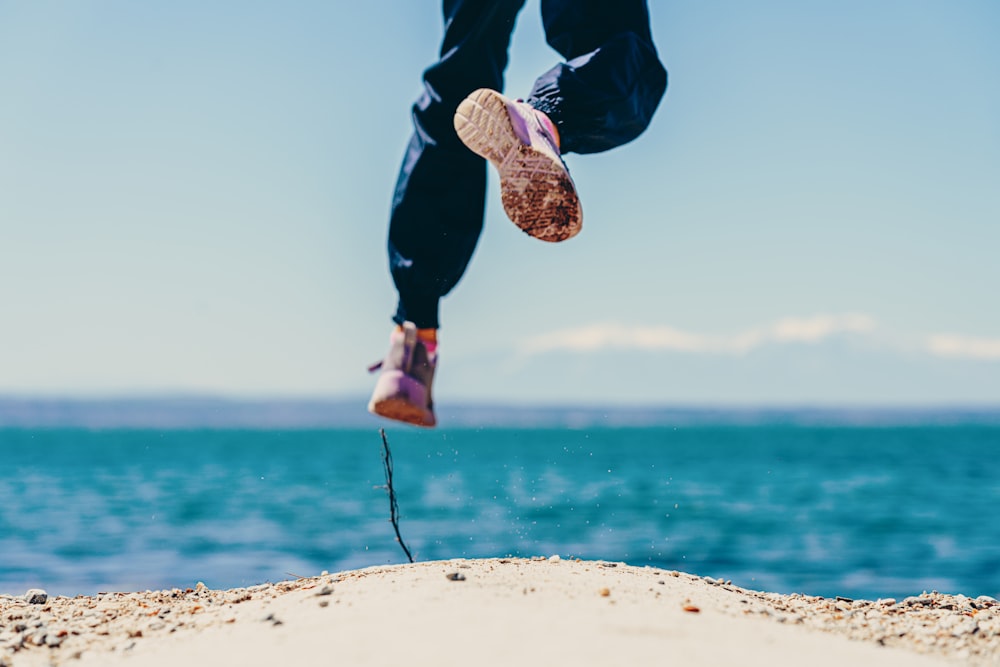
(602, 97)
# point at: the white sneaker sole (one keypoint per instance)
(537, 192)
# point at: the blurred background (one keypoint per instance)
(194, 198)
(774, 349)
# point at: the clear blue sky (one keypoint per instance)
(193, 198)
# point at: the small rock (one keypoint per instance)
(324, 603)
(605, 592)
(455, 576)
(691, 608)
(887, 602)
(54, 641)
(554, 558)
(841, 598)
(326, 590)
(36, 596)
(966, 626)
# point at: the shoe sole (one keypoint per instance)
(537, 192)
(401, 410)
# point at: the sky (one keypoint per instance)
(194, 199)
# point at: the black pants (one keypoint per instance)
(602, 97)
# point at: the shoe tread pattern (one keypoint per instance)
(536, 191)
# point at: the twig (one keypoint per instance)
(393, 507)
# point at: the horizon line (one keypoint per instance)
(217, 411)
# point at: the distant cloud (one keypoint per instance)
(964, 347)
(794, 330)
(594, 337)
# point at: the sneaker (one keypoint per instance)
(403, 390)
(522, 143)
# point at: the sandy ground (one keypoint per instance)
(496, 612)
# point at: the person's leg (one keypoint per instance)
(603, 97)
(439, 201)
(438, 205)
(607, 92)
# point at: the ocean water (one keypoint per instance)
(864, 512)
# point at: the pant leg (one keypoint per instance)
(607, 92)
(439, 201)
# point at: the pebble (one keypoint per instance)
(554, 558)
(36, 596)
(929, 623)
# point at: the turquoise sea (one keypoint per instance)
(860, 511)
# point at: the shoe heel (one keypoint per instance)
(483, 124)
(399, 397)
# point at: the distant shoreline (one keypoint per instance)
(216, 412)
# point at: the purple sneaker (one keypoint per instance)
(522, 143)
(403, 390)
